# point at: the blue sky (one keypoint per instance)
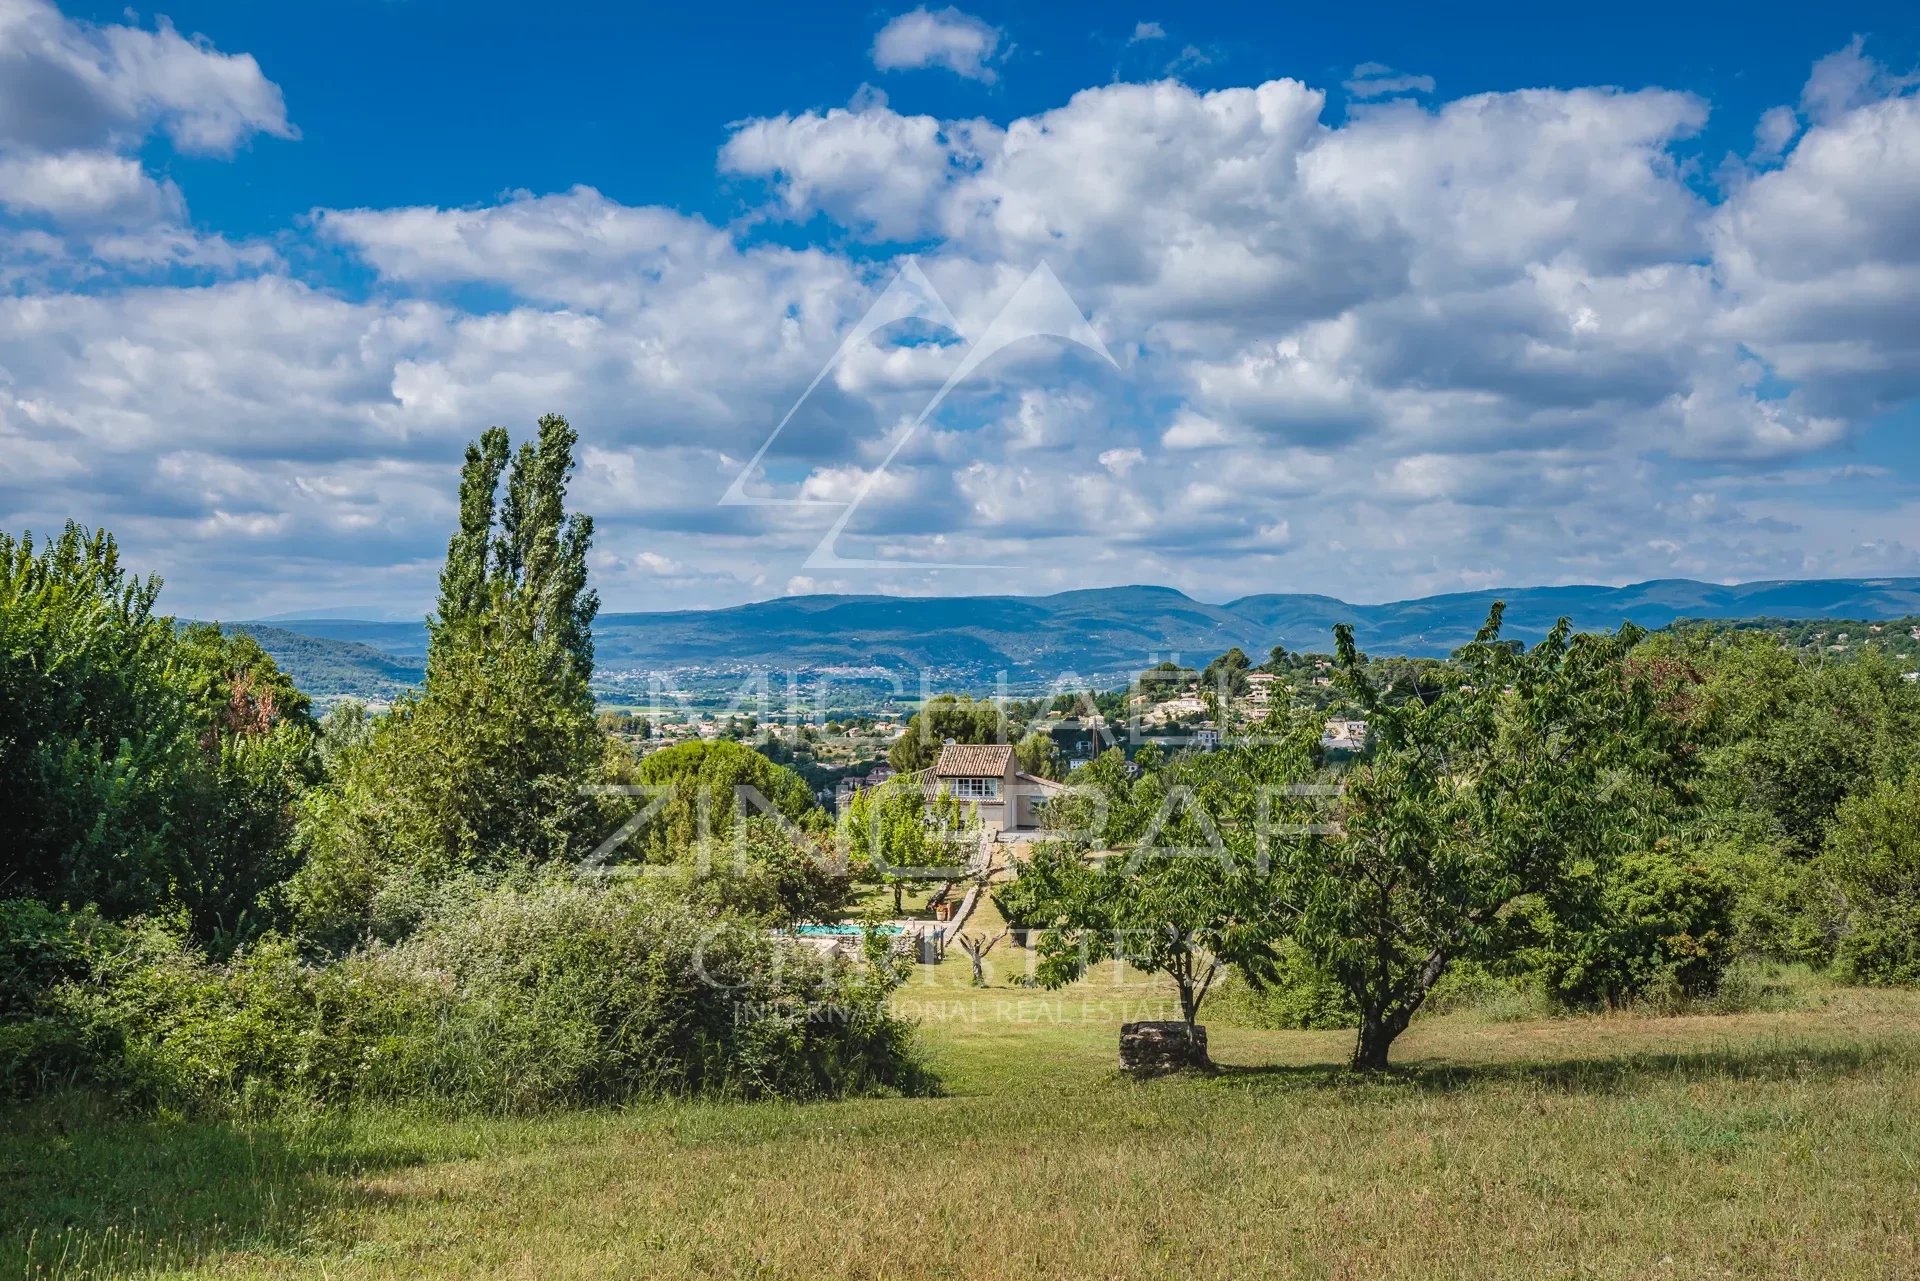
(1396, 300)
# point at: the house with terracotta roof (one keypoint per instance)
(987, 777)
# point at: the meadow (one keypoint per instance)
(1782, 1144)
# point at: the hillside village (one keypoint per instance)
(1169, 706)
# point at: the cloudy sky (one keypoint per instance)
(1230, 298)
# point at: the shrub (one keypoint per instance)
(480, 773)
(1872, 860)
(144, 769)
(1300, 995)
(40, 949)
(1489, 994)
(513, 999)
(158, 1024)
(570, 994)
(777, 873)
(1782, 907)
(1661, 929)
(96, 747)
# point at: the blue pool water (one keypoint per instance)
(837, 931)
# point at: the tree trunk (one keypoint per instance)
(1190, 1014)
(1377, 1032)
(899, 908)
(1380, 1025)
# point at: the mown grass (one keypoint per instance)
(1783, 1144)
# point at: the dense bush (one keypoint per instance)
(41, 949)
(1872, 862)
(575, 994)
(482, 772)
(1298, 995)
(97, 758)
(1492, 993)
(1661, 928)
(517, 999)
(144, 768)
(771, 871)
(1781, 740)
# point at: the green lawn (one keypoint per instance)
(1761, 1145)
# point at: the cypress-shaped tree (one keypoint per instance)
(482, 771)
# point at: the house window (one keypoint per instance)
(976, 789)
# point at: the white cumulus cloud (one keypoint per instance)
(960, 42)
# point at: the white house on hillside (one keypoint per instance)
(986, 776)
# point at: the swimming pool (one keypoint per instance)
(839, 930)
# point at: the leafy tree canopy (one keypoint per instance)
(1523, 778)
(946, 716)
(709, 785)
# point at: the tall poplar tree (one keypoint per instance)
(482, 771)
(518, 561)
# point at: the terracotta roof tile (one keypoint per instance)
(973, 760)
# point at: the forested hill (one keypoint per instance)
(327, 668)
(1099, 633)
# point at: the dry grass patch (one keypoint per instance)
(1765, 1145)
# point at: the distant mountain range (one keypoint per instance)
(1099, 634)
(329, 668)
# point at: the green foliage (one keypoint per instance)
(1104, 808)
(97, 750)
(144, 768)
(946, 716)
(42, 946)
(697, 791)
(234, 684)
(1782, 740)
(1787, 739)
(507, 999)
(1165, 679)
(1197, 892)
(519, 559)
(1038, 755)
(1297, 994)
(570, 994)
(1661, 927)
(1031, 900)
(1497, 994)
(1872, 861)
(484, 770)
(1821, 638)
(257, 738)
(164, 1026)
(1531, 775)
(346, 727)
(482, 773)
(896, 836)
(1169, 912)
(1227, 673)
(777, 873)
(1783, 908)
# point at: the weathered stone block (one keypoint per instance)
(1160, 1046)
